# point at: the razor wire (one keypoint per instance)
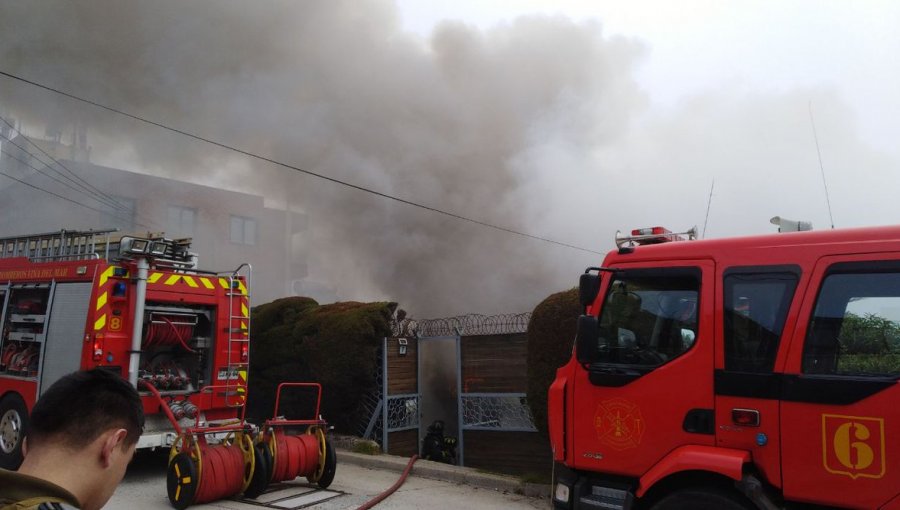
(496, 411)
(463, 325)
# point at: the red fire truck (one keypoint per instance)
(756, 372)
(136, 306)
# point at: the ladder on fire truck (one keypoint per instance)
(238, 334)
(57, 246)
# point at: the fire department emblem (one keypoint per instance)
(853, 446)
(619, 424)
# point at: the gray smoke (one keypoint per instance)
(339, 89)
(537, 125)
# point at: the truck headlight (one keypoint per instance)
(561, 493)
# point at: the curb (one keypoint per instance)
(445, 472)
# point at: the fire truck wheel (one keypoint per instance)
(182, 481)
(702, 499)
(330, 466)
(261, 473)
(13, 424)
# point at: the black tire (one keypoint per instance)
(261, 474)
(13, 425)
(703, 499)
(182, 481)
(330, 466)
(270, 461)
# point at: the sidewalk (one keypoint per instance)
(444, 472)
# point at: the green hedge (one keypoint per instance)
(551, 335)
(297, 340)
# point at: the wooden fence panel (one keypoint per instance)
(495, 363)
(402, 370)
(404, 443)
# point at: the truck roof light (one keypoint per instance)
(158, 248)
(653, 235)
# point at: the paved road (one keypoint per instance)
(144, 488)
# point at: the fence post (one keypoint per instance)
(460, 444)
(384, 392)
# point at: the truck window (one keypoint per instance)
(855, 326)
(649, 317)
(756, 305)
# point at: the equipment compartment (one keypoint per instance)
(23, 329)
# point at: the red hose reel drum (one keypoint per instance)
(200, 472)
(288, 456)
(295, 456)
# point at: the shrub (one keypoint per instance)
(551, 333)
(297, 340)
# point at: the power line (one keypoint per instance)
(295, 168)
(67, 199)
(84, 182)
(38, 170)
(101, 197)
(109, 213)
(81, 189)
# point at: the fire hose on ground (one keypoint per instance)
(393, 488)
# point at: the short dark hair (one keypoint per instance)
(82, 405)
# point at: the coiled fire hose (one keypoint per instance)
(173, 335)
(381, 497)
(223, 472)
(297, 456)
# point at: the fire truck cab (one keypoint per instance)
(137, 306)
(753, 372)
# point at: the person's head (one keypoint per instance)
(96, 415)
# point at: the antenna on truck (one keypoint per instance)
(708, 205)
(821, 167)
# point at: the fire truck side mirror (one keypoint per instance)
(588, 288)
(587, 339)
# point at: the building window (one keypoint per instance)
(181, 221)
(243, 230)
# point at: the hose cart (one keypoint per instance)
(287, 448)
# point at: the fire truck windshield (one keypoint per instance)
(648, 317)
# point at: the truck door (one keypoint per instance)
(841, 401)
(755, 306)
(646, 388)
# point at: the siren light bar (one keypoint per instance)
(653, 235)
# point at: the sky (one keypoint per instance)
(698, 46)
(564, 120)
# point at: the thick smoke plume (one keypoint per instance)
(339, 89)
(537, 125)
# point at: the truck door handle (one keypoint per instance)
(745, 417)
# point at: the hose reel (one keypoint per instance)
(200, 472)
(208, 463)
(288, 456)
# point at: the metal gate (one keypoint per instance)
(469, 372)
